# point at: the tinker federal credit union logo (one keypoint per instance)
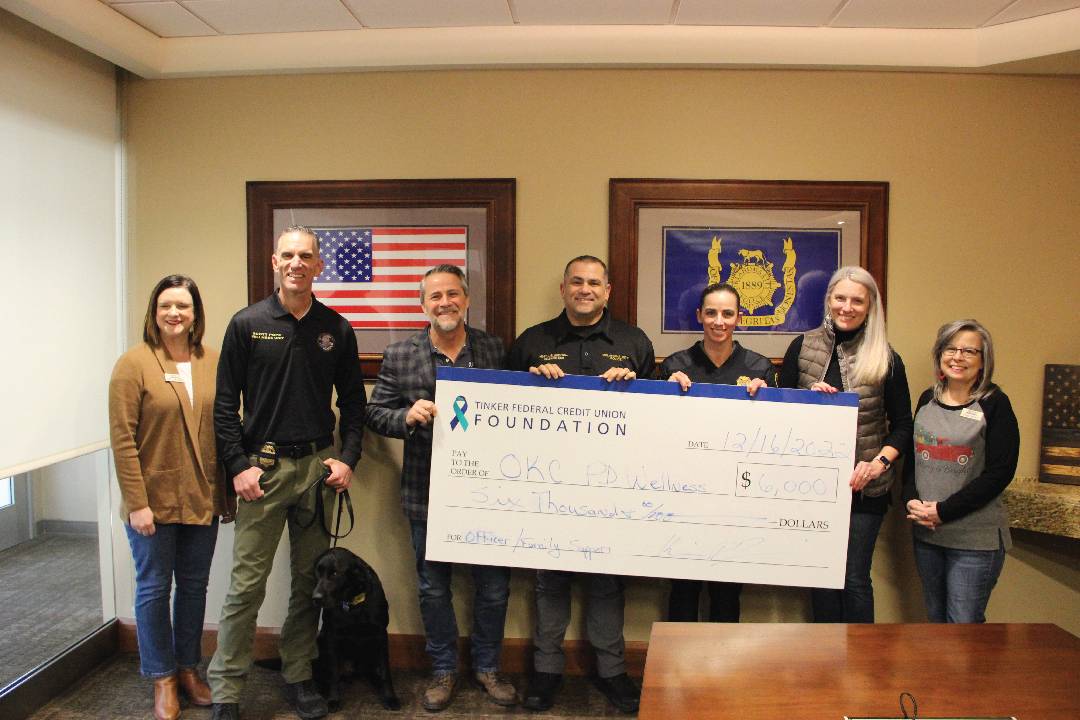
(460, 406)
(498, 415)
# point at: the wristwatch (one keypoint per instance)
(885, 461)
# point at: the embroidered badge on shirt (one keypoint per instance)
(326, 341)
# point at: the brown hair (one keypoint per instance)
(151, 335)
(720, 287)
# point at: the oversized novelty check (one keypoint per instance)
(640, 478)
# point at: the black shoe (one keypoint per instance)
(226, 711)
(305, 699)
(541, 693)
(623, 692)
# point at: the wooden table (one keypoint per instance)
(805, 671)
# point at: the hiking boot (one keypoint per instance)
(498, 688)
(440, 692)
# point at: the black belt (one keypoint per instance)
(299, 450)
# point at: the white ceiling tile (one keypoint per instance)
(918, 13)
(164, 19)
(1024, 9)
(237, 17)
(593, 12)
(429, 13)
(788, 13)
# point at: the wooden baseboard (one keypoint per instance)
(407, 651)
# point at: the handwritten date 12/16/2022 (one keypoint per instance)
(782, 442)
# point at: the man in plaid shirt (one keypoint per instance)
(401, 406)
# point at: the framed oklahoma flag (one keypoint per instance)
(776, 242)
(780, 274)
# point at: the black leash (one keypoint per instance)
(343, 502)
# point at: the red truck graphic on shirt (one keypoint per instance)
(931, 447)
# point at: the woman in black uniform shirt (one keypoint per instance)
(851, 353)
(717, 359)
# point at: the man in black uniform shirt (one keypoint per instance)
(284, 355)
(583, 340)
(718, 359)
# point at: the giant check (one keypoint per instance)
(639, 478)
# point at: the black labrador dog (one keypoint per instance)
(355, 615)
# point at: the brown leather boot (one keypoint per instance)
(196, 689)
(166, 702)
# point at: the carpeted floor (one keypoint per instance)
(50, 597)
(115, 690)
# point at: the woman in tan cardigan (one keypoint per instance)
(161, 401)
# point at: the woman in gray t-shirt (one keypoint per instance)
(964, 454)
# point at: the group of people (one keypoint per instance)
(175, 415)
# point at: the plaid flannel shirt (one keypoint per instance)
(408, 375)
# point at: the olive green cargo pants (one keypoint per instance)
(257, 534)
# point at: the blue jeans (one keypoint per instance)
(492, 591)
(957, 583)
(175, 551)
(855, 603)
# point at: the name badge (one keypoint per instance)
(174, 377)
(971, 413)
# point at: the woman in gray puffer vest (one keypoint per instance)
(850, 353)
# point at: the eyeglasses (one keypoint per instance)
(967, 352)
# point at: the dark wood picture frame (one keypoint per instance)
(628, 196)
(497, 196)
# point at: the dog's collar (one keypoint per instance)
(357, 600)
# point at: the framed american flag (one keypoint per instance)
(376, 240)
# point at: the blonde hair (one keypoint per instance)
(874, 359)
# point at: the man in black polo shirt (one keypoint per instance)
(284, 355)
(718, 359)
(583, 340)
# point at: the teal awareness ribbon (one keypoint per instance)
(460, 406)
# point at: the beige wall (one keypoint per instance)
(984, 206)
